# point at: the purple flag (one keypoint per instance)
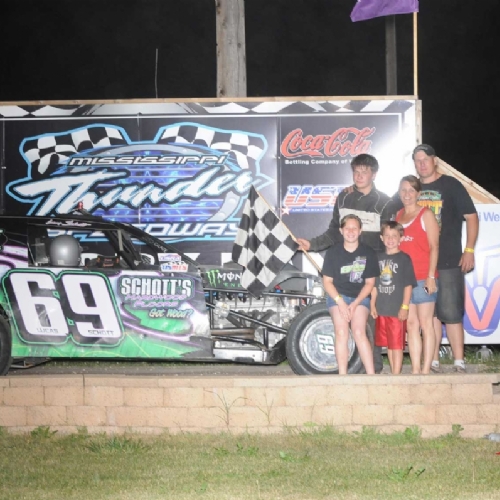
(368, 9)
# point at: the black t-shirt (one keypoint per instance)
(396, 273)
(450, 201)
(349, 270)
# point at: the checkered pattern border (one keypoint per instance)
(48, 152)
(207, 108)
(245, 147)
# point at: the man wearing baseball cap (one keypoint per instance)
(451, 204)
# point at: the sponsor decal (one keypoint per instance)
(223, 279)
(174, 267)
(169, 257)
(345, 141)
(159, 297)
(188, 182)
(63, 223)
(310, 198)
(482, 294)
(172, 262)
(51, 309)
(487, 216)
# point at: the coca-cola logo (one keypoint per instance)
(343, 142)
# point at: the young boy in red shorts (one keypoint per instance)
(391, 295)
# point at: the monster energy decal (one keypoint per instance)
(217, 278)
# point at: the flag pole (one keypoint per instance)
(313, 262)
(391, 59)
(415, 54)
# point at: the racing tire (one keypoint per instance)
(5, 346)
(310, 344)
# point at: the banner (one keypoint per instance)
(182, 171)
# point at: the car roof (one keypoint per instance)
(69, 221)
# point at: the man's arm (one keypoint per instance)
(389, 211)
(328, 238)
(472, 229)
(397, 204)
(465, 206)
(331, 235)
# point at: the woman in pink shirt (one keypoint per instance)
(421, 243)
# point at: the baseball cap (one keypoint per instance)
(428, 150)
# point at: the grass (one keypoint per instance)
(318, 463)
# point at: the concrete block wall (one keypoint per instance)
(157, 404)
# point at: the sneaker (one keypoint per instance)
(459, 369)
(436, 369)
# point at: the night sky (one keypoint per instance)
(106, 49)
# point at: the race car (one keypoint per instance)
(79, 286)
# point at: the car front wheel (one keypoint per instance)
(310, 344)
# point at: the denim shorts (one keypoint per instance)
(348, 300)
(419, 296)
(450, 307)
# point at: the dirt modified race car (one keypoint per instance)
(79, 286)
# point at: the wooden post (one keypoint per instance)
(391, 62)
(231, 57)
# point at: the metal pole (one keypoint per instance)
(415, 54)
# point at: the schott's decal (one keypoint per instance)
(188, 182)
(154, 298)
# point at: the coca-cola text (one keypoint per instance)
(344, 141)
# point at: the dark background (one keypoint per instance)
(106, 49)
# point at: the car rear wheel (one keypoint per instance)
(310, 344)
(5, 346)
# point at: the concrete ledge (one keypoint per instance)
(156, 404)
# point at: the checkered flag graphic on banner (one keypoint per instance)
(263, 244)
(49, 152)
(246, 148)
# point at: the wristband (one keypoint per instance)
(468, 250)
(431, 277)
(336, 299)
(405, 307)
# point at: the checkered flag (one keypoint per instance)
(263, 244)
(47, 153)
(246, 148)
